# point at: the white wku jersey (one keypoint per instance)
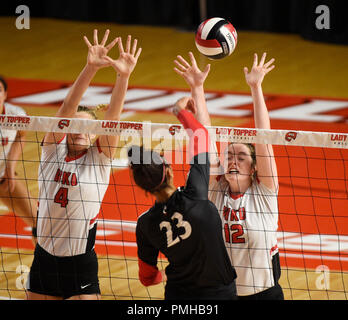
(71, 191)
(8, 136)
(250, 223)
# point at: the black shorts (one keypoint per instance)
(63, 276)
(222, 292)
(274, 293)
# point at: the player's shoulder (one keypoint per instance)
(145, 215)
(260, 189)
(12, 109)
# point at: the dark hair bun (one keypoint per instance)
(148, 168)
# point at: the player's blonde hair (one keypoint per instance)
(92, 112)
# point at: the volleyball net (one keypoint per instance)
(312, 201)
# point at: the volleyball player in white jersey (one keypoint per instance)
(73, 177)
(13, 193)
(246, 193)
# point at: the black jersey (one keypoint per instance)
(187, 230)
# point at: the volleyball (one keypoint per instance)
(216, 38)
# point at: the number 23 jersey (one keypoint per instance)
(71, 191)
(187, 230)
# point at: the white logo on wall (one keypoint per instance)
(23, 21)
(323, 20)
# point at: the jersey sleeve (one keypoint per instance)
(47, 150)
(103, 159)
(146, 251)
(197, 182)
(147, 259)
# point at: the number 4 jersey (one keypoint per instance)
(71, 191)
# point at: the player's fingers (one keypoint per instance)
(105, 38)
(134, 47)
(255, 60)
(95, 36)
(180, 73)
(270, 68)
(207, 69)
(193, 60)
(87, 42)
(112, 44)
(246, 71)
(128, 43)
(120, 45)
(183, 61)
(180, 66)
(138, 53)
(266, 65)
(263, 58)
(109, 59)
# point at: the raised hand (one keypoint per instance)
(193, 76)
(185, 103)
(97, 52)
(258, 71)
(127, 59)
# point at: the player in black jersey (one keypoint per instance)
(183, 224)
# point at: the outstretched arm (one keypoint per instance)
(95, 60)
(197, 183)
(266, 165)
(124, 66)
(195, 78)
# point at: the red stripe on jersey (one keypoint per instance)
(93, 220)
(212, 43)
(98, 145)
(274, 248)
(236, 196)
(58, 142)
(148, 275)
